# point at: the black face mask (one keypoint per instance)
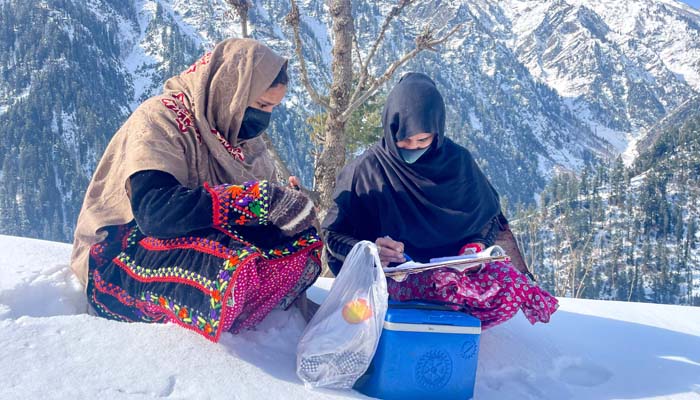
(254, 123)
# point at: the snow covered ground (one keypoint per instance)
(52, 349)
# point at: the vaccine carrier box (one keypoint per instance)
(425, 351)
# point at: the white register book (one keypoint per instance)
(459, 263)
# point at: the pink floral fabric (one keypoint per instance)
(263, 285)
(494, 294)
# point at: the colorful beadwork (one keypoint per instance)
(247, 204)
(208, 283)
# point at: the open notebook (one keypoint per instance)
(459, 263)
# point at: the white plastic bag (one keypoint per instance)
(337, 346)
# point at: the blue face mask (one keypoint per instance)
(411, 156)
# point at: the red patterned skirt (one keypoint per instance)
(209, 283)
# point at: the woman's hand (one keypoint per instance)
(294, 182)
(390, 251)
(472, 248)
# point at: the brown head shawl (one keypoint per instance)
(190, 131)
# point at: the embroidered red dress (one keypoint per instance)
(212, 281)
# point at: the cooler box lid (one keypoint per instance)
(426, 317)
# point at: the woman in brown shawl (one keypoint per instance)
(181, 222)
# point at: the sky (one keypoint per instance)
(693, 3)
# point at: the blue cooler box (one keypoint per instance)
(425, 352)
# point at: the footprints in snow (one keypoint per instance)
(566, 376)
(47, 292)
(167, 389)
(580, 373)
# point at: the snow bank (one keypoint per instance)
(51, 348)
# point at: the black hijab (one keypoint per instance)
(433, 205)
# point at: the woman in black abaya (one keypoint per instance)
(417, 193)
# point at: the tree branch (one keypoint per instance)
(292, 19)
(363, 67)
(364, 72)
(424, 41)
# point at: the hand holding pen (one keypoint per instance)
(390, 251)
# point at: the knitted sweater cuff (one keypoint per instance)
(290, 210)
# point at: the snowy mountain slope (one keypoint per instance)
(624, 232)
(684, 112)
(613, 62)
(499, 111)
(62, 95)
(531, 87)
(636, 72)
(650, 24)
(590, 349)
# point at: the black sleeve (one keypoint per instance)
(338, 246)
(338, 231)
(489, 232)
(164, 209)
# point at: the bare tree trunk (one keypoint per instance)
(241, 8)
(633, 283)
(555, 278)
(688, 269)
(332, 157)
(574, 261)
(244, 25)
(587, 268)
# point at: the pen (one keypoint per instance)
(405, 256)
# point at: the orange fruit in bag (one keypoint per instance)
(356, 311)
